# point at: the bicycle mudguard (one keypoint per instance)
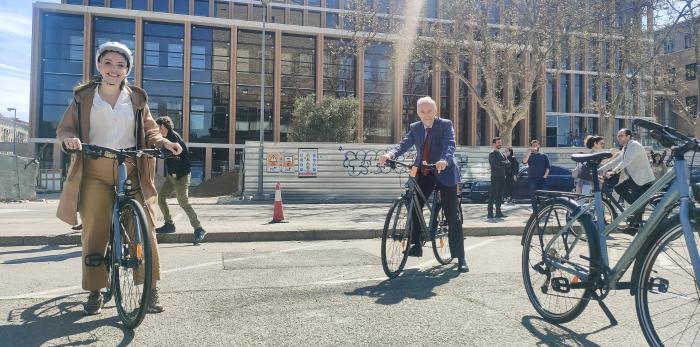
(93, 260)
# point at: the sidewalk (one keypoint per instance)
(34, 223)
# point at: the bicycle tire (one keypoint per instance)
(109, 266)
(538, 232)
(396, 238)
(131, 277)
(665, 288)
(441, 240)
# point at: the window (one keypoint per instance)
(417, 83)
(210, 90)
(181, 6)
(298, 75)
(332, 20)
(564, 92)
(669, 45)
(691, 102)
(219, 161)
(314, 19)
(61, 67)
(690, 71)
(688, 41)
(579, 95)
(333, 3)
(96, 2)
(248, 85)
(117, 4)
(160, 5)
(139, 4)
(296, 17)
(550, 93)
(559, 133)
(377, 121)
(163, 61)
(339, 68)
(463, 102)
(197, 164)
(201, 8)
(75, 2)
(240, 11)
(276, 15)
(112, 29)
(221, 9)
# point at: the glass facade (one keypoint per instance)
(163, 66)
(113, 29)
(61, 68)
(210, 89)
(248, 85)
(417, 83)
(377, 118)
(219, 161)
(463, 103)
(117, 4)
(201, 7)
(160, 5)
(298, 63)
(339, 68)
(139, 4)
(181, 6)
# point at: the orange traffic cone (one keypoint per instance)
(278, 212)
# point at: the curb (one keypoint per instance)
(255, 236)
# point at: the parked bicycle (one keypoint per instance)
(565, 254)
(128, 258)
(396, 236)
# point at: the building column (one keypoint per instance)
(472, 104)
(319, 66)
(87, 46)
(277, 85)
(186, 82)
(435, 84)
(397, 103)
(454, 99)
(34, 77)
(232, 97)
(138, 59)
(360, 93)
(542, 112)
(208, 157)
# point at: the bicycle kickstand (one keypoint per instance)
(607, 312)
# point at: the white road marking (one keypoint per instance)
(13, 210)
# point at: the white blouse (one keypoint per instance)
(113, 127)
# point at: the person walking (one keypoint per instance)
(657, 165)
(434, 139)
(178, 179)
(512, 177)
(537, 170)
(500, 168)
(107, 112)
(634, 171)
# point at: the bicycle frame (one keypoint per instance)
(414, 206)
(120, 194)
(679, 190)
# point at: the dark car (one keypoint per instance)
(559, 179)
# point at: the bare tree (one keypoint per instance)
(511, 45)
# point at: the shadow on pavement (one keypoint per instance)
(412, 284)
(44, 258)
(39, 249)
(551, 334)
(57, 322)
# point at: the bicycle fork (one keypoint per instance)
(118, 242)
(682, 176)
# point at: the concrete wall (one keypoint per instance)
(18, 176)
(24, 149)
(349, 171)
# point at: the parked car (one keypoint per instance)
(559, 179)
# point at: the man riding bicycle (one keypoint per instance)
(435, 143)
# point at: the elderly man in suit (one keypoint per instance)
(434, 139)
(636, 175)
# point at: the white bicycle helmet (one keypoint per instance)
(116, 47)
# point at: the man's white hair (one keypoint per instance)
(426, 100)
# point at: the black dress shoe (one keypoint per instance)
(415, 251)
(500, 215)
(489, 216)
(462, 265)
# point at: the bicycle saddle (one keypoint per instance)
(591, 157)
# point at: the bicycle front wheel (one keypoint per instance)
(441, 240)
(667, 297)
(556, 295)
(396, 238)
(131, 278)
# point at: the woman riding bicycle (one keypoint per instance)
(109, 113)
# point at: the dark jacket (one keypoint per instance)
(181, 164)
(499, 164)
(514, 166)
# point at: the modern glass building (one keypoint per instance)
(200, 62)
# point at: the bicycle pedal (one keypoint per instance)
(539, 268)
(561, 284)
(658, 285)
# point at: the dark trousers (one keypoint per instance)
(496, 194)
(534, 184)
(631, 191)
(508, 189)
(448, 195)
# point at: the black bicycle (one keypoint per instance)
(396, 236)
(128, 259)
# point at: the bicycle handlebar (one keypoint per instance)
(667, 136)
(393, 163)
(99, 151)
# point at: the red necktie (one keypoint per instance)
(425, 155)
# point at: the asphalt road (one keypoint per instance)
(300, 293)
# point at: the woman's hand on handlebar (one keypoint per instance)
(383, 158)
(173, 147)
(72, 144)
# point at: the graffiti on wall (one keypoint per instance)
(358, 162)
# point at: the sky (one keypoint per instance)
(15, 55)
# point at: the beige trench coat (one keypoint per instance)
(76, 123)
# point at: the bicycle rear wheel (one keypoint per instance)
(557, 296)
(396, 238)
(667, 297)
(131, 277)
(441, 240)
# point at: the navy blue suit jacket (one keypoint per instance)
(442, 147)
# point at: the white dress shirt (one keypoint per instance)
(113, 127)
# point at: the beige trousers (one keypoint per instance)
(95, 207)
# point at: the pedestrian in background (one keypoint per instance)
(596, 144)
(178, 179)
(513, 176)
(537, 170)
(657, 165)
(500, 168)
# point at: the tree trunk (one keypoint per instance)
(506, 135)
(607, 127)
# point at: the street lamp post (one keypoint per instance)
(262, 103)
(14, 130)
